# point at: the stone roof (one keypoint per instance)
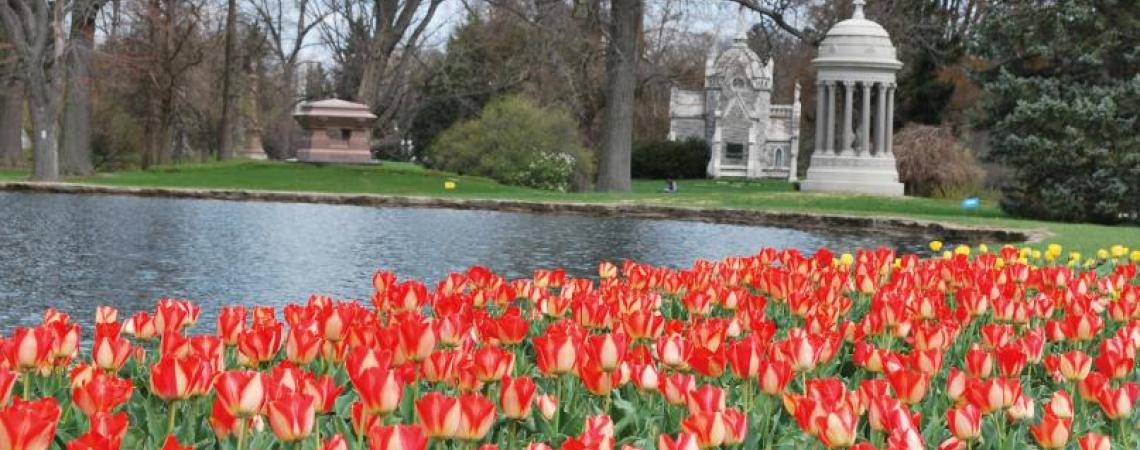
(857, 42)
(334, 108)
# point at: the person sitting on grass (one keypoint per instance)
(670, 186)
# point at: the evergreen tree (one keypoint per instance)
(1062, 98)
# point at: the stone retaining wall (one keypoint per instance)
(797, 220)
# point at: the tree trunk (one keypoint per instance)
(75, 137)
(12, 125)
(621, 72)
(45, 130)
(226, 138)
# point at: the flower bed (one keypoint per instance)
(778, 350)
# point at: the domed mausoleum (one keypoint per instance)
(855, 96)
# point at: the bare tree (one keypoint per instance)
(381, 38)
(11, 107)
(621, 72)
(163, 54)
(226, 129)
(287, 29)
(39, 38)
(75, 136)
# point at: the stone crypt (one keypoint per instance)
(747, 135)
(855, 99)
(336, 131)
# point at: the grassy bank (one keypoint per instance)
(407, 179)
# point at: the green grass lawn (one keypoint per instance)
(407, 179)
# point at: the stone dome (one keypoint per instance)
(857, 43)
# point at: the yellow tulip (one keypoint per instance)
(1102, 254)
(962, 250)
(846, 259)
(1119, 251)
(1036, 254)
(947, 255)
(449, 185)
(1054, 249)
(936, 246)
(1135, 256)
(982, 248)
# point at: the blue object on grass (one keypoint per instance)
(971, 203)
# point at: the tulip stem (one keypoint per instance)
(27, 385)
(241, 433)
(171, 417)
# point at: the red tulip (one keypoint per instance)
(397, 437)
(597, 381)
(492, 363)
(643, 325)
(705, 399)
(1091, 386)
(1094, 441)
(673, 351)
(29, 349)
(65, 344)
(28, 425)
(837, 429)
(324, 391)
(1075, 365)
(1116, 365)
(979, 363)
(439, 415)
(106, 314)
(291, 416)
(556, 353)
(222, 422)
(607, 350)
(736, 423)
(774, 376)
(965, 422)
(302, 346)
(511, 328)
(547, 406)
(178, 379)
(709, 428)
(516, 397)
(105, 433)
(231, 322)
(380, 390)
(1052, 432)
(360, 359)
(173, 444)
(685, 441)
(242, 393)
(909, 385)
(336, 442)
(259, 344)
(1117, 403)
(142, 326)
(109, 351)
(676, 387)
(476, 416)
(416, 340)
(102, 394)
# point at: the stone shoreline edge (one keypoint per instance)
(895, 226)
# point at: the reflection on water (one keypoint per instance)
(75, 252)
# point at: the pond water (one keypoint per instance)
(74, 252)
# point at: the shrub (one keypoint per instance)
(932, 163)
(516, 142)
(671, 159)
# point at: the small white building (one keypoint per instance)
(748, 136)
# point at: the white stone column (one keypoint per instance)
(820, 116)
(831, 117)
(890, 123)
(880, 114)
(848, 91)
(865, 122)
